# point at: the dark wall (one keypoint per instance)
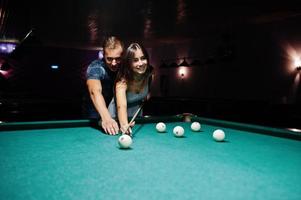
(246, 73)
(35, 91)
(258, 67)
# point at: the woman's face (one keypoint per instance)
(139, 62)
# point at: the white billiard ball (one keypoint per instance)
(195, 126)
(160, 127)
(125, 141)
(178, 131)
(218, 135)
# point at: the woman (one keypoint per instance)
(131, 86)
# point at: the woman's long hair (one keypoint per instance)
(125, 72)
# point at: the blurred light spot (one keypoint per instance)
(298, 62)
(182, 72)
(54, 66)
(100, 54)
(295, 130)
(4, 73)
(292, 57)
(7, 48)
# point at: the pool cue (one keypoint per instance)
(134, 117)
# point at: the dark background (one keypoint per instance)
(243, 55)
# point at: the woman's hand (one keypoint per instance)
(127, 128)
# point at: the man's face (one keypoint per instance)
(113, 58)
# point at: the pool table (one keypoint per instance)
(75, 160)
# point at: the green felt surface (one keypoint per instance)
(83, 163)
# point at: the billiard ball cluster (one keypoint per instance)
(218, 135)
(178, 131)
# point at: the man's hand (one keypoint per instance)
(110, 126)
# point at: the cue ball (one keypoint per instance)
(125, 141)
(160, 127)
(195, 126)
(178, 131)
(218, 135)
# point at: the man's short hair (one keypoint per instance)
(112, 42)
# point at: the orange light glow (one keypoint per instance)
(182, 72)
(293, 57)
(298, 62)
(292, 63)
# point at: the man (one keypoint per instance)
(101, 75)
